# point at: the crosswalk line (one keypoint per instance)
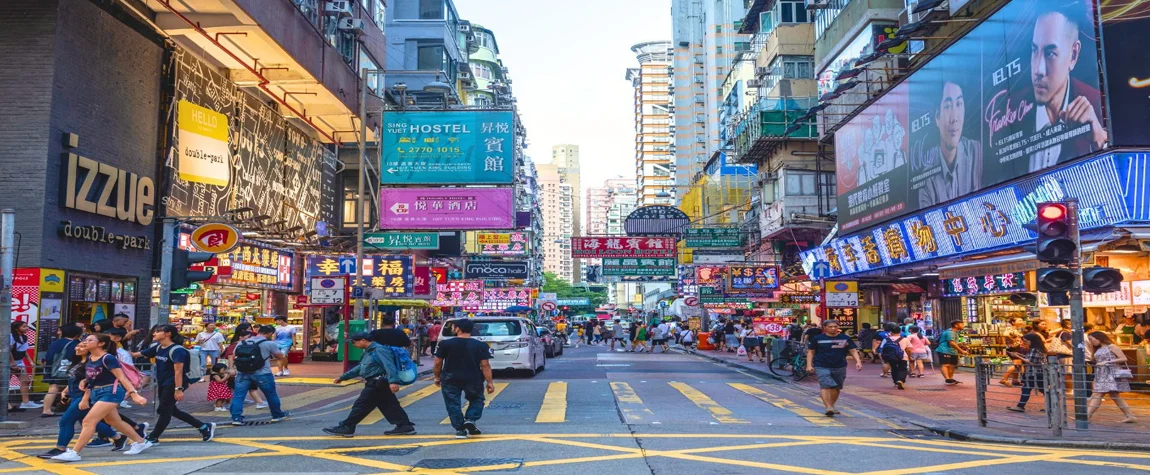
(720, 413)
(786, 404)
(376, 416)
(629, 403)
(499, 387)
(554, 408)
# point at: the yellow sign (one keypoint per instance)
(843, 286)
(52, 281)
(215, 238)
(204, 155)
(492, 238)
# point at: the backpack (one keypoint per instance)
(248, 357)
(407, 369)
(891, 350)
(130, 372)
(62, 365)
(193, 372)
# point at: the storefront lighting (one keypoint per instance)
(1125, 249)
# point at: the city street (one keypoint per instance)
(591, 411)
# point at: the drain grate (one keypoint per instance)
(257, 423)
(513, 464)
(396, 452)
(506, 405)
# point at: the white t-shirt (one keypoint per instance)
(663, 331)
(210, 341)
(747, 332)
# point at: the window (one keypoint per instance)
(431, 9)
(379, 12)
(802, 183)
(430, 57)
(793, 11)
(798, 67)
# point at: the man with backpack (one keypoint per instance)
(251, 366)
(461, 368)
(382, 378)
(894, 350)
(173, 363)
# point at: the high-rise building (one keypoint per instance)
(654, 123)
(604, 203)
(557, 200)
(566, 158)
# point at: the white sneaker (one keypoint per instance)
(286, 373)
(248, 401)
(220, 409)
(137, 447)
(262, 405)
(279, 373)
(69, 456)
(125, 404)
(30, 405)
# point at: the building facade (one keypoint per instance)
(654, 122)
(558, 206)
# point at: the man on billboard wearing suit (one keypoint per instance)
(959, 158)
(1054, 52)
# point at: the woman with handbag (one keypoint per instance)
(1111, 376)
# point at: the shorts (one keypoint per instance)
(751, 341)
(618, 338)
(284, 346)
(58, 382)
(831, 378)
(659, 341)
(945, 359)
(114, 394)
(924, 356)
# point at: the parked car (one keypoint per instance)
(514, 341)
(552, 344)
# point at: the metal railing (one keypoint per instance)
(1041, 396)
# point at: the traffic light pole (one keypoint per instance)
(1077, 322)
(167, 245)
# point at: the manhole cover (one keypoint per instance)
(396, 452)
(257, 423)
(934, 390)
(512, 465)
(506, 405)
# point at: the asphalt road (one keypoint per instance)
(593, 411)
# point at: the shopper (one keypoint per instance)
(643, 337)
(1033, 378)
(1108, 358)
(380, 375)
(211, 342)
(19, 344)
(895, 352)
(827, 358)
(730, 336)
(242, 332)
(172, 361)
(433, 335)
(948, 350)
(125, 357)
(251, 367)
(750, 341)
(105, 386)
(285, 339)
(57, 364)
(389, 335)
(597, 334)
(462, 368)
(919, 351)
(866, 339)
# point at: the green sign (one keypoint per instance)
(394, 240)
(713, 237)
(640, 266)
(711, 297)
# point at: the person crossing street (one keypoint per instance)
(380, 375)
(461, 369)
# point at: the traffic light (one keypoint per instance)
(182, 275)
(1055, 279)
(1057, 237)
(1100, 280)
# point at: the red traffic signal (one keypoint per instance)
(1057, 239)
(1052, 211)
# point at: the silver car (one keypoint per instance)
(514, 342)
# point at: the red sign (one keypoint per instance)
(422, 284)
(595, 247)
(548, 306)
(301, 300)
(691, 301)
(440, 274)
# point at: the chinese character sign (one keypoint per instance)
(459, 293)
(257, 265)
(500, 298)
(639, 266)
(394, 275)
(448, 147)
(507, 244)
(985, 284)
(446, 208)
(753, 278)
(592, 247)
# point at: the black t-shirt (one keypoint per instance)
(831, 351)
(461, 357)
(812, 332)
(99, 372)
(165, 367)
(794, 332)
(391, 337)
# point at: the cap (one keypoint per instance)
(357, 336)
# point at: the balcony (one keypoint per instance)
(847, 23)
(760, 129)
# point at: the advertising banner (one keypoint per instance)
(402, 241)
(985, 285)
(204, 153)
(713, 298)
(655, 220)
(727, 236)
(507, 244)
(496, 270)
(445, 208)
(590, 247)
(423, 281)
(1124, 27)
(459, 293)
(637, 266)
(1017, 95)
(752, 278)
(393, 275)
(448, 147)
(688, 286)
(1110, 189)
(499, 299)
(253, 265)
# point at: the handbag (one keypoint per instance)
(1123, 373)
(1058, 347)
(742, 351)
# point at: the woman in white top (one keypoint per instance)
(19, 345)
(750, 341)
(211, 342)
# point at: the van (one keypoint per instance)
(514, 342)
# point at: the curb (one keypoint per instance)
(1069, 444)
(729, 364)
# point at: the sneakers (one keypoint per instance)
(952, 382)
(99, 442)
(248, 401)
(125, 404)
(281, 418)
(899, 385)
(1016, 409)
(209, 431)
(118, 444)
(135, 448)
(262, 405)
(401, 430)
(341, 431)
(220, 409)
(469, 426)
(279, 373)
(51, 453)
(237, 422)
(142, 429)
(286, 373)
(459, 434)
(68, 456)
(31, 405)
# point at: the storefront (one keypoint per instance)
(988, 303)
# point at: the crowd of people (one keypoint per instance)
(636, 336)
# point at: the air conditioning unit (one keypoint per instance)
(351, 24)
(338, 7)
(762, 71)
(464, 27)
(754, 83)
(465, 75)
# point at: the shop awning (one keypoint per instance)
(1022, 261)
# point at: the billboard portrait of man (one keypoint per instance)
(958, 157)
(1061, 100)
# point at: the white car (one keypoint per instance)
(514, 342)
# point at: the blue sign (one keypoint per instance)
(357, 292)
(820, 270)
(347, 265)
(1110, 189)
(394, 275)
(448, 147)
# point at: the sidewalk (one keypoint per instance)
(952, 410)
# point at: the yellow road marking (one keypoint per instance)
(720, 413)
(37, 464)
(285, 450)
(964, 465)
(499, 387)
(629, 403)
(745, 463)
(963, 451)
(1103, 463)
(376, 416)
(295, 401)
(786, 404)
(554, 408)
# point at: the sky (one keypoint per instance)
(568, 64)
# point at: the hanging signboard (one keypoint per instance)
(459, 293)
(501, 298)
(496, 270)
(328, 291)
(752, 278)
(710, 297)
(402, 241)
(595, 247)
(639, 266)
(726, 236)
(497, 244)
(446, 208)
(985, 285)
(656, 220)
(448, 147)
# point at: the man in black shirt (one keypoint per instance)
(461, 367)
(827, 358)
(388, 335)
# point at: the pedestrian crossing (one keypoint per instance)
(637, 402)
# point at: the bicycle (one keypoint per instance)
(791, 363)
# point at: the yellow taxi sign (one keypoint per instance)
(215, 238)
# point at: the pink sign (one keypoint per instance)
(459, 293)
(591, 247)
(446, 208)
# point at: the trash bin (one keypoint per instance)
(704, 341)
(353, 353)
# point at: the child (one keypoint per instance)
(220, 388)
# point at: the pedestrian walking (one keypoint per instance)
(242, 332)
(389, 335)
(597, 334)
(211, 343)
(251, 367)
(285, 340)
(688, 338)
(617, 335)
(105, 385)
(730, 336)
(919, 351)
(124, 356)
(380, 374)
(461, 369)
(220, 387)
(19, 344)
(1108, 361)
(895, 351)
(866, 339)
(433, 335)
(827, 358)
(948, 350)
(632, 335)
(662, 334)
(172, 365)
(57, 363)
(1033, 378)
(641, 338)
(750, 342)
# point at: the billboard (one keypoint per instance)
(590, 247)
(447, 147)
(1110, 189)
(496, 270)
(636, 266)
(1124, 25)
(459, 293)
(513, 243)
(1019, 94)
(752, 278)
(445, 208)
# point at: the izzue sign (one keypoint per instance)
(496, 270)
